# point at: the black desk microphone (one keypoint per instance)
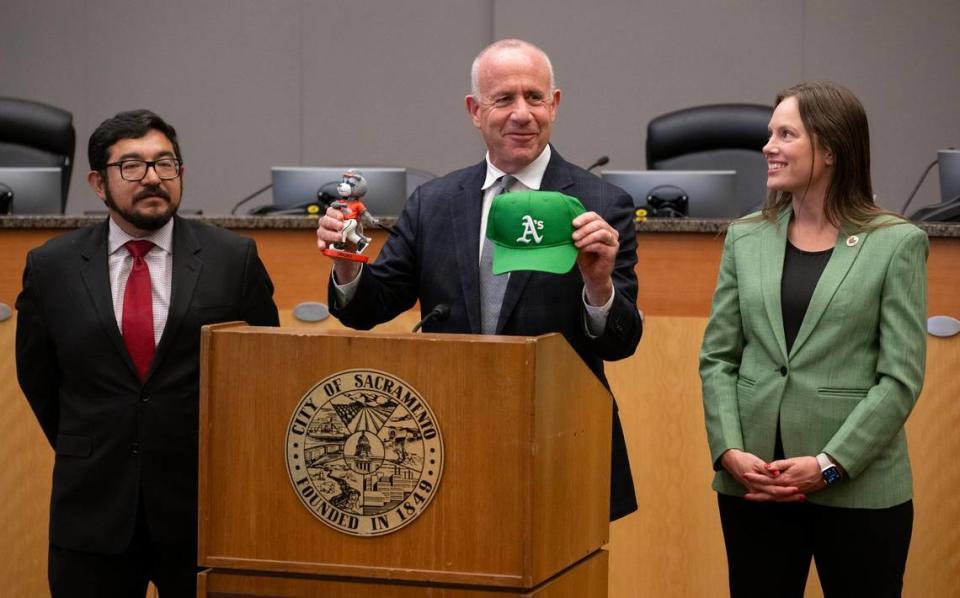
(439, 313)
(601, 161)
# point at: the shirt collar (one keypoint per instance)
(162, 237)
(529, 176)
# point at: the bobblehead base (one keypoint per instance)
(338, 254)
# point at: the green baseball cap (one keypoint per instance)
(532, 230)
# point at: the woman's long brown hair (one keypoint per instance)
(836, 122)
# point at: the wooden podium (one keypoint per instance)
(501, 444)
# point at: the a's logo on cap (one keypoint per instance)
(530, 227)
(364, 452)
(533, 230)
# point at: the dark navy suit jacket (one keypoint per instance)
(432, 256)
(119, 440)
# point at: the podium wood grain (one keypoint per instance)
(525, 427)
(586, 579)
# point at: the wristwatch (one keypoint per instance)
(828, 469)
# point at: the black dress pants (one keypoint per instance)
(171, 567)
(858, 552)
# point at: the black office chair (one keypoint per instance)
(35, 134)
(715, 137)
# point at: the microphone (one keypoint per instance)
(439, 313)
(923, 177)
(601, 161)
(324, 198)
(309, 208)
(248, 198)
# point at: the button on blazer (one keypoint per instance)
(855, 369)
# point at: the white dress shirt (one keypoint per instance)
(160, 262)
(528, 178)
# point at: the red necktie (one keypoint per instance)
(138, 309)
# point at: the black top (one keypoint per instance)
(801, 271)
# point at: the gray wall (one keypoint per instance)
(255, 83)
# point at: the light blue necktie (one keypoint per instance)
(492, 287)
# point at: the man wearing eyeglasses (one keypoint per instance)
(108, 343)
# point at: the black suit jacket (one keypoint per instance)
(118, 439)
(432, 256)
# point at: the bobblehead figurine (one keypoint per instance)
(351, 189)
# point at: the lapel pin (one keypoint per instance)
(852, 240)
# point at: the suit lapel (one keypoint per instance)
(555, 178)
(465, 216)
(95, 273)
(774, 244)
(186, 271)
(833, 275)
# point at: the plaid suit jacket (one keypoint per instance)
(432, 256)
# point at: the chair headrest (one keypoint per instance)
(704, 128)
(37, 125)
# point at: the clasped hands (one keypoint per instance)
(784, 480)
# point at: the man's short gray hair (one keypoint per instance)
(504, 44)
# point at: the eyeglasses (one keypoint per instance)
(135, 170)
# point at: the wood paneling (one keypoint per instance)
(24, 484)
(677, 271)
(672, 546)
(14, 245)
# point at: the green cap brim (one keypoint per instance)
(558, 259)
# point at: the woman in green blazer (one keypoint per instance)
(811, 362)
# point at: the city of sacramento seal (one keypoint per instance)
(364, 452)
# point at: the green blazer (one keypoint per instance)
(854, 371)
